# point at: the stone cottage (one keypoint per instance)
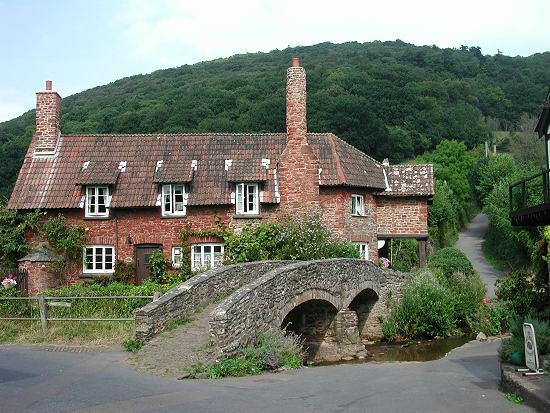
(134, 193)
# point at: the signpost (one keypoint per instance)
(531, 353)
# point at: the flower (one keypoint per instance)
(9, 282)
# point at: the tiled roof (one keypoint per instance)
(131, 164)
(409, 180)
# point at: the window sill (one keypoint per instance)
(97, 218)
(95, 274)
(244, 216)
(172, 216)
(358, 216)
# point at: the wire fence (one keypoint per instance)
(63, 308)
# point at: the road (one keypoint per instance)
(470, 242)
(35, 380)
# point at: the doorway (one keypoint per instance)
(142, 254)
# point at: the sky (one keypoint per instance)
(81, 44)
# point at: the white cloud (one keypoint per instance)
(173, 32)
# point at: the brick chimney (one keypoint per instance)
(48, 116)
(298, 167)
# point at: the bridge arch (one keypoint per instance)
(264, 303)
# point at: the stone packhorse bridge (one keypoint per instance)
(334, 304)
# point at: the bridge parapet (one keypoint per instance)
(264, 303)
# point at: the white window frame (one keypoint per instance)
(177, 252)
(168, 200)
(363, 248)
(247, 203)
(92, 200)
(357, 205)
(213, 264)
(101, 270)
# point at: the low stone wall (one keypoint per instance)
(197, 292)
(264, 303)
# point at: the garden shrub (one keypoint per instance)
(67, 241)
(427, 309)
(288, 239)
(124, 272)
(404, 254)
(448, 261)
(157, 266)
(275, 349)
(517, 289)
(467, 292)
(13, 225)
(492, 318)
(515, 344)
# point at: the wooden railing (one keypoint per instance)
(530, 192)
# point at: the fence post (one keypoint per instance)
(43, 314)
(156, 295)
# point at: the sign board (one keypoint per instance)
(531, 353)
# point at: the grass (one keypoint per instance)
(490, 256)
(78, 333)
(172, 325)
(514, 398)
(132, 345)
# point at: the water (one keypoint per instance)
(424, 350)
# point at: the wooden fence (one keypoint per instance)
(43, 303)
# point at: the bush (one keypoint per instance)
(491, 319)
(124, 273)
(132, 346)
(157, 266)
(515, 344)
(404, 254)
(517, 289)
(448, 261)
(275, 349)
(427, 309)
(467, 292)
(67, 241)
(289, 239)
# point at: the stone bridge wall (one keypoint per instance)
(264, 303)
(197, 292)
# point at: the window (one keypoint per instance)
(357, 207)
(363, 248)
(99, 259)
(173, 199)
(206, 256)
(176, 257)
(247, 199)
(97, 201)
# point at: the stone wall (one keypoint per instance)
(402, 216)
(197, 292)
(264, 303)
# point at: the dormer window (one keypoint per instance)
(97, 201)
(357, 205)
(247, 199)
(174, 200)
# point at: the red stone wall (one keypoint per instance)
(336, 214)
(48, 115)
(402, 216)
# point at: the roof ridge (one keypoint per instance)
(174, 134)
(336, 155)
(355, 149)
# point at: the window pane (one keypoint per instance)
(240, 198)
(98, 258)
(207, 256)
(91, 200)
(178, 198)
(196, 257)
(218, 255)
(166, 198)
(89, 258)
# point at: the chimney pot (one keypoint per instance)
(48, 85)
(295, 62)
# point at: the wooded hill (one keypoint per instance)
(389, 99)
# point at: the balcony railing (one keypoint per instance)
(530, 200)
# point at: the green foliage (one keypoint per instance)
(449, 261)
(515, 344)
(467, 292)
(132, 346)
(492, 318)
(13, 225)
(67, 241)
(124, 272)
(362, 92)
(404, 254)
(157, 266)
(16, 308)
(488, 172)
(514, 398)
(289, 239)
(275, 349)
(425, 310)
(172, 325)
(443, 216)
(517, 289)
